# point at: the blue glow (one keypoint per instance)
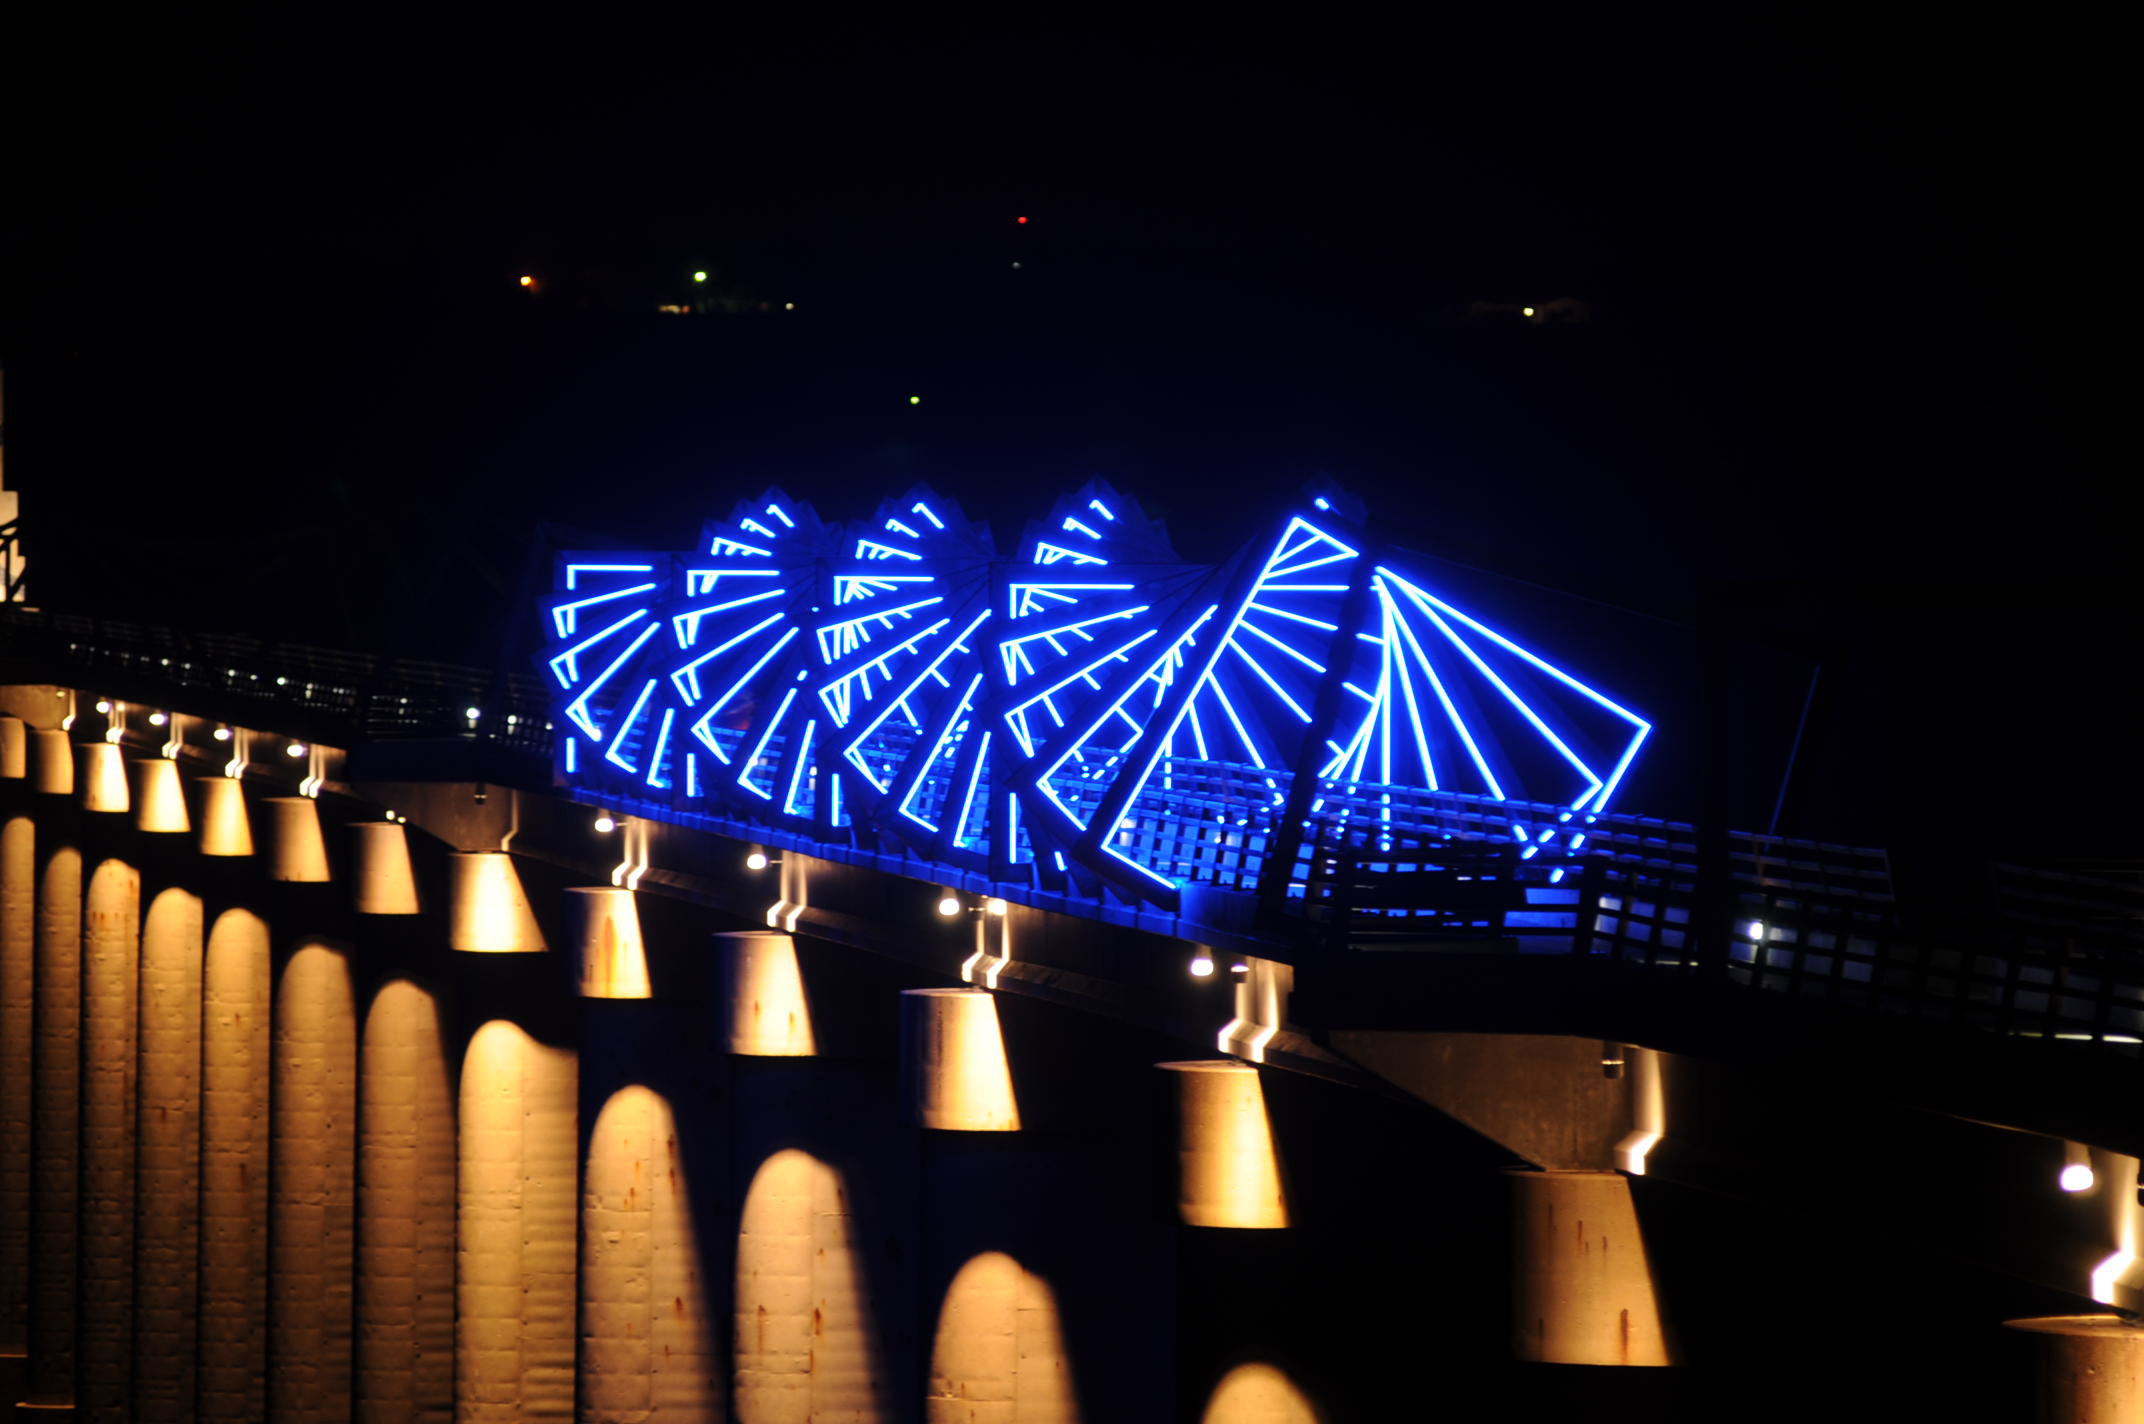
(1102, 509)
(1322, 502)
(700, 728)
(1058, 553)
(1073, 526)
(899, 528)
(687, 678)
(574, 571)
(625, 725)
(919, 507)
(577, 709)
(572, 747)
(872, 549)
(751, 762)
(662, 742)
(566, 615)
(722, 545)
(566, 668)
(757, 528)
(777, 511)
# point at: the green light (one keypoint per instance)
(699, 276)
(915, 400)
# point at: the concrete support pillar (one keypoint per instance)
(167, 1235)
(405, 1204)
(312, 1153)
(111, 952)
(648, 1349)
(1228, 1173)
(296, 850)
(225, 829)
(761, 996)
(14, 748)
(487, 911)
(2091, 1368)
(382, 882)
(18, 985)
(55, 1125)
(614, 959)
(101, 773)
(515, 1250)
(1257, 1394)
(51, 762)
(806, 1345)
(999, 1354)
(1582, 1289)
(159, 799)
(235, 1060)
(954, 1055)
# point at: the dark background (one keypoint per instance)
(1843, 393)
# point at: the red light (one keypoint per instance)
(1019, 219)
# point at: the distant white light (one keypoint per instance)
(994, 905)
(605, 823)
(2108, 1274)
(1526, 311)
(789, 306)
(915, 400)
(757, 860)
(2076, 1177)
(157, 719)
(223, 734)
(103, 706)
(699, 276)
(1756, 929)
(295, 749)
(472, 713)
(1201, 965)
(1322, 502)
(949, 906)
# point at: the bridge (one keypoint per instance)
(751, 1006)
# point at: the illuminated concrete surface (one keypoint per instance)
(236, 1068)
(998, 1356)
(101, 772)
(613, 957)
(313, 1186)
(1227, 1172)
(762, 995)
(958, 1077)
(297, 852)
(382, 881)
(56, 1121)
(806, 1332)
(1582, 1285)
(226, 829)
(489, 912)
(1258, 1394)
(18, 978)
(2091, 1368)
(167, 1209)
(159, 797)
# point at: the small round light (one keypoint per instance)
(1239, 967)
(605, 823)
(757, 860)
(472, 713)
(296, 749)
(103, 706)
(1020, 220)
(699, 276)
(994, 905)
(1201, 965)
(157, 719)
(1756, 929)
(789, 306)
(2076, 1177)
(223, 734)
(949, 906)
(915, 400)
(528, 281)
(1526, 311)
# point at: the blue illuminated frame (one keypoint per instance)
(1037, 717)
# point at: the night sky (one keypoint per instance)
(1844, 392)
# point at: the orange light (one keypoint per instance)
(528, 281)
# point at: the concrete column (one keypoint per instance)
(761, 996)
(312, 1151)
(515, 1250)
(51, 762)
(167, 1222)
(235, 1061)
(55, 1127)
(999, 1354)
(18, 986)
(382, 881)
(647, 1340)
(1228, 1173)
(2091, 1368)
(405, 1212)
(159, 799)
(614, 959)
(225, 828)
(111, 951)
(806, 1343)
(954, 1055)
(487, 911)
(101, 773)
(296, 850)
(1582, 1288)
(14, 748)
(1257, 1394)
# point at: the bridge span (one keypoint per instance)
(364, 1056)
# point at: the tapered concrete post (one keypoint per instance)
(648, 1346)
(101, 773)
(296, 850)
(614, 960)
(312, 1153)
(159, 799)
(405, 1212)
(2091, 1369)
(761, 996)
(14, 749)
(382, 881)
(1582, 1289)
(236, 1062)
(55, 1126)
(18, 987)
(1227, 1171)
(111, 949)
(487, 911)
(225, 829)
(954, 1056)
(515, 1250)
(51, 762)
(167, 1236)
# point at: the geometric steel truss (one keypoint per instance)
(1082, 711)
